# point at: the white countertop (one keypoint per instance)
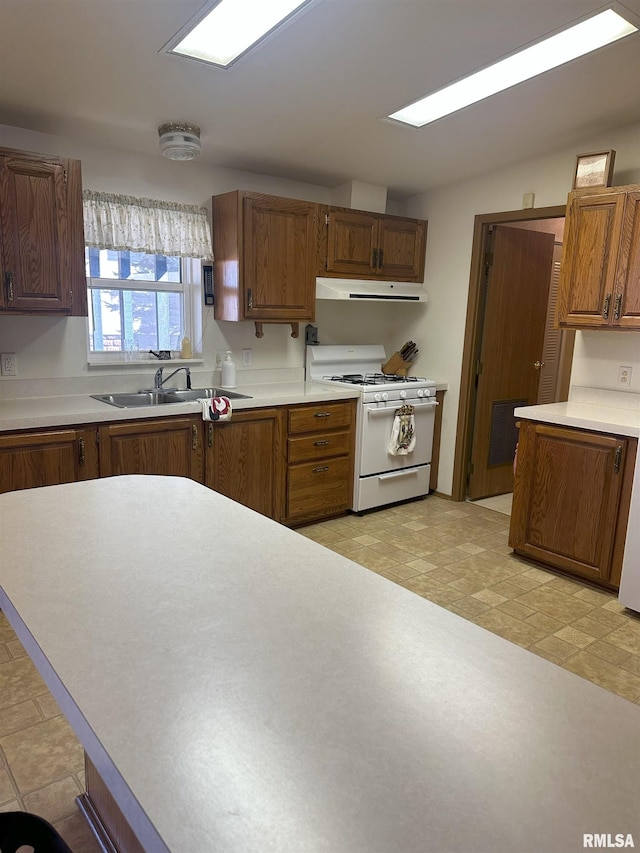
(240, 688)
(585, 416)
(31, 412)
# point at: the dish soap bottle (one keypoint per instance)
(228, 379)
(185, 348)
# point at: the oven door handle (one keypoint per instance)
(375, 410)
(403, 472)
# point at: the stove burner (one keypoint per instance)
(371, 378)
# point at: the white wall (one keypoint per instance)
(451, 211)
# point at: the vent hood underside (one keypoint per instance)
(369, 291)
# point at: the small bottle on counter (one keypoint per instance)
(185, 348)
(228, 379)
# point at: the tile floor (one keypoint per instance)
(453, 554)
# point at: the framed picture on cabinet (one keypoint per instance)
(594, 170)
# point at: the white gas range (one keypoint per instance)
(394, 430)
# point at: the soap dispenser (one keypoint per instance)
(228, 372)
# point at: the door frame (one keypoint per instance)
(464, 429)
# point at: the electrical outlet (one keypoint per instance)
(9, 364)
(624, 377)
(220, 357)
(247, 357)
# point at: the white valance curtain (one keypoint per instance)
(126, 223)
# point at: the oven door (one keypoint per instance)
(375, 435)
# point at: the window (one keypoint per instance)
(138, 302)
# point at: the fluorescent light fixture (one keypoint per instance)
(602, 29)
(232, 27)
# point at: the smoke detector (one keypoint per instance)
(179, 140)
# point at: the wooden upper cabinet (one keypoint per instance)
(600, 275)
(265, 255)
(42, 235)
(358, 244)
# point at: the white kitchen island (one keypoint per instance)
(241, 689)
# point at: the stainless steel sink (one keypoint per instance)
(196, 393)
(162, 398)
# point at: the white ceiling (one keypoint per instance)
(306, 104)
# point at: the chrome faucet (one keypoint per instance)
(158, 381)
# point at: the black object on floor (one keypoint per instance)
(19, 829)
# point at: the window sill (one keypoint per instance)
(99, 364)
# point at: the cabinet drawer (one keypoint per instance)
(323, 416)
(319, 488)
(307, 447)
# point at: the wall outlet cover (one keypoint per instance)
(8, 364)
(624, 377)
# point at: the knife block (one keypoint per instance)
(396, 365)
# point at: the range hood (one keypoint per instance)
(369, 291)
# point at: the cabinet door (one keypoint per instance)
(279, 258)
(352, 243)
(401, 249)
(566, 498)
(241, 458)
(47, 458)
(34, 223)
(588, 274)
(626, 303)
(168, 446)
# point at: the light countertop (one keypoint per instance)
(241, 688)
(584, 415)
(66, 410)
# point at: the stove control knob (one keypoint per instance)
(385, 396)
(378, 398)
(403, 395)
(420, 392)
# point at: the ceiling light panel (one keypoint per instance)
(232, 27)
(582, 38)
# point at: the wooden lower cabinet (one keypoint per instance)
(319, 456)
(241, 459)
(166, 446)
(47, 458)
(571, 500)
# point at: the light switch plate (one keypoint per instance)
(9, 364)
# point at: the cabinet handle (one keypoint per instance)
(321, 443)
(617, 458)
(605, 307)
(617, 306)
(380, 258)
(81, 451)
(250, 299)
(374, 259)
(210, 435)
(320, 469)
(9, 282)
(321, 414)
(194, 437)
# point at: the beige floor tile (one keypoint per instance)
(506, 589)
(469, 585)
(19, 716)
(546, 623)
(54, 801)
(591, 626)
(510, 628)
(7, 791)
(47, 705)
(346, 547)
(12, 806)
(567, 608)
(572, 635)
(489, 597)
(471, 548)
(606, 652)
(516, 609)
(372, 559)
(4, 653)
(76, 833)
(554, 649)
(469, 606)
(422, 566)
(631, 664)
(402, 571)
(626, 637)
(15, 649)
(19, 681)
(596, 597)
(6, 631)
(42, 754)
(599, 671)
(608, 617)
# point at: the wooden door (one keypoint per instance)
(241, 459)
(279, 258)
(166, 446)
(48, 458)
(594, 226)
(34, 225)
(352, 243)
(517, 288)
(626, 301)
(401, 249)
(566, 498)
